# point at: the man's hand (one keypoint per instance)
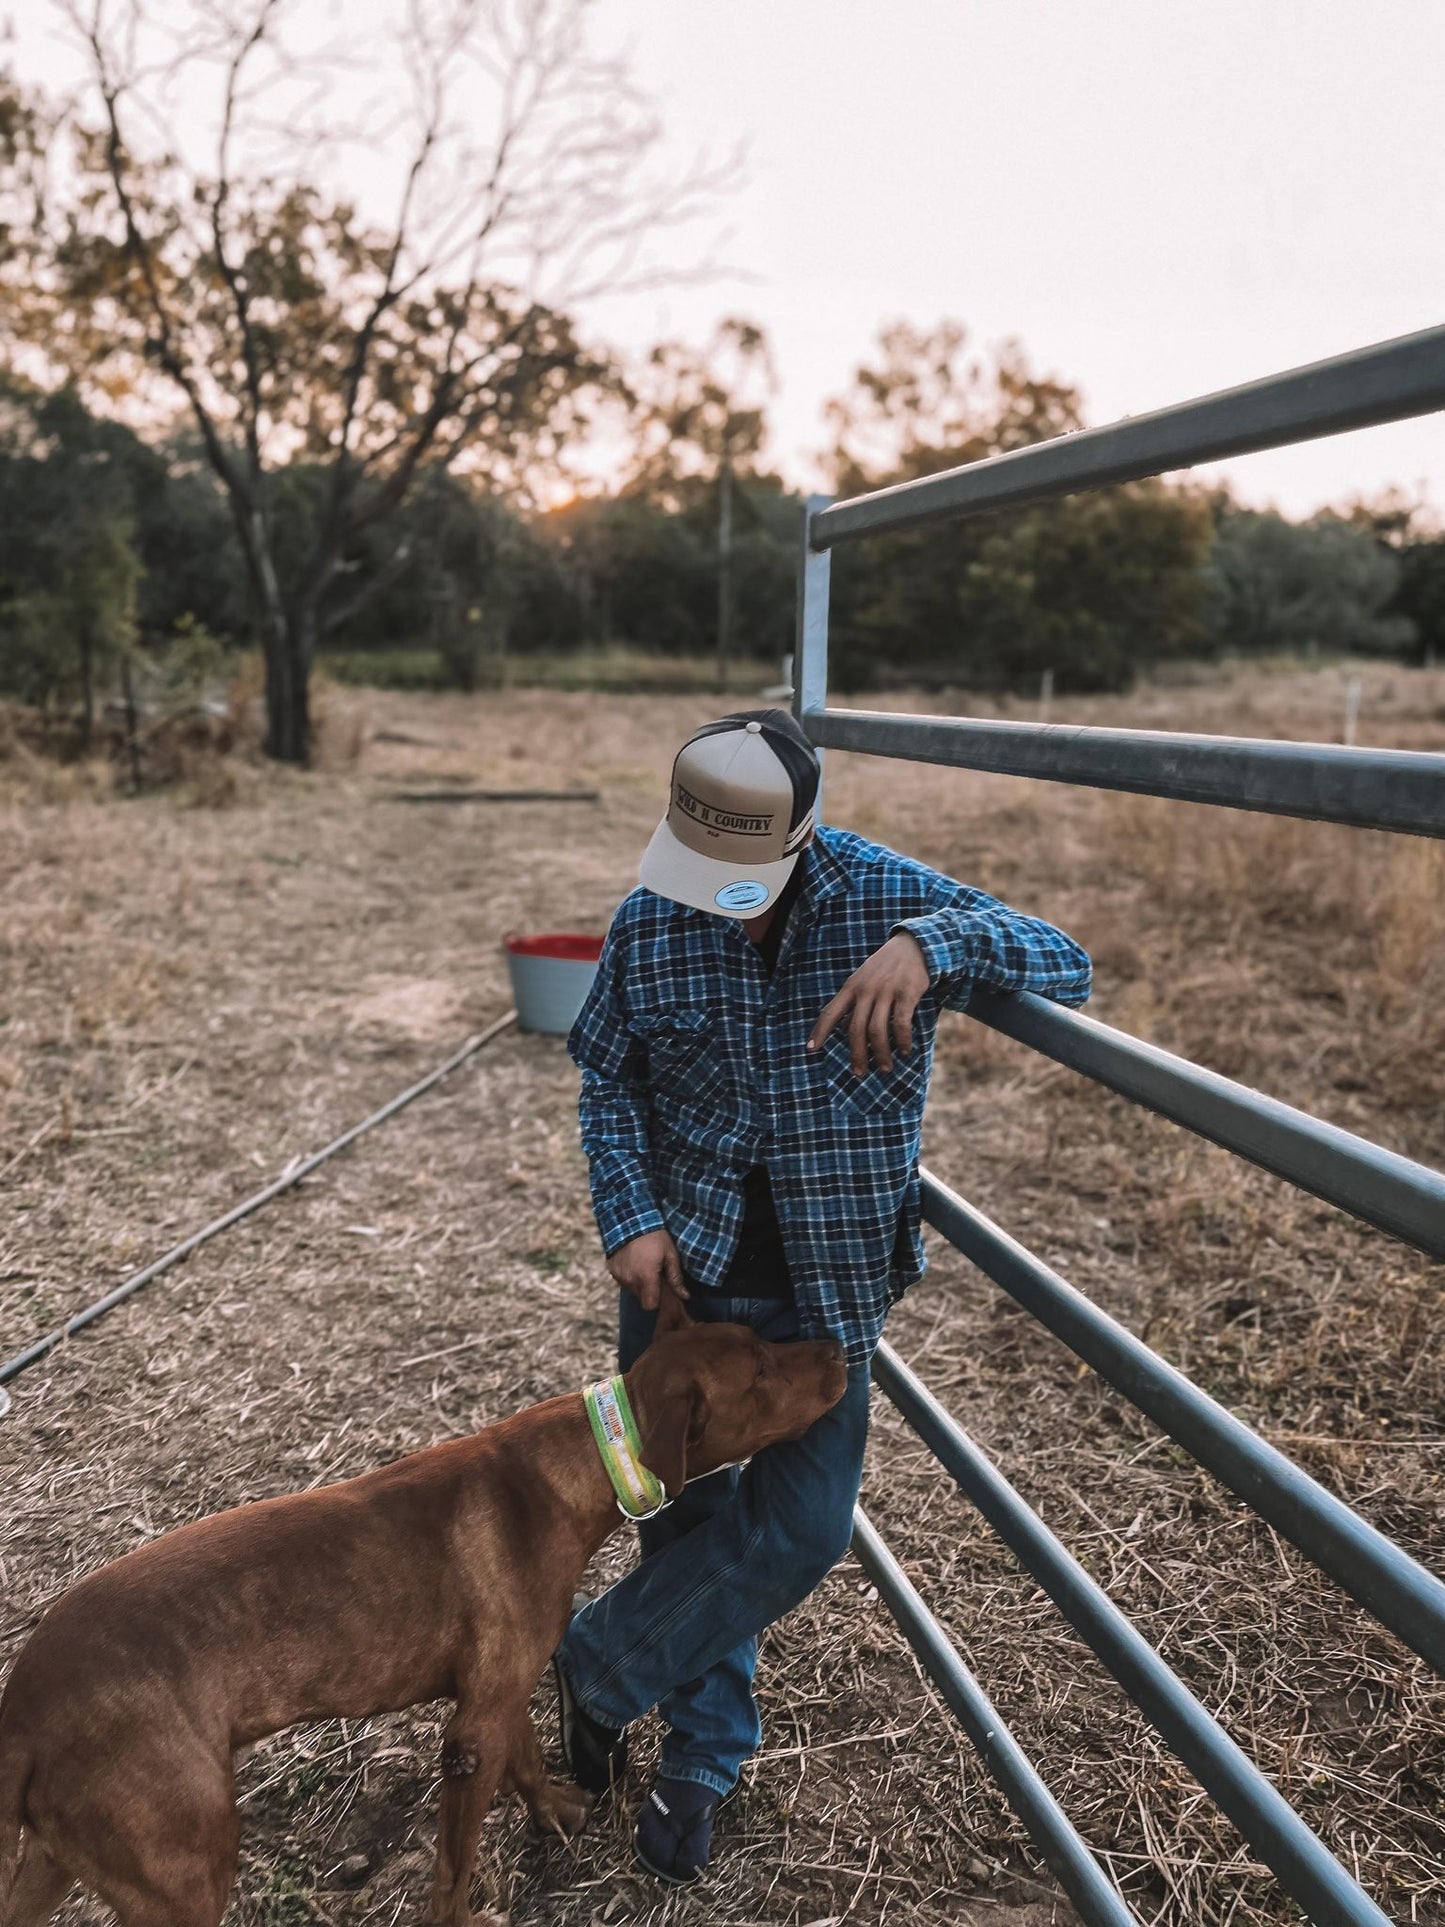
(645, 1265)
(882, 994)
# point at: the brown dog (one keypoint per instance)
(448, 1575)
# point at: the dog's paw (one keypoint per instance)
(560, 1807)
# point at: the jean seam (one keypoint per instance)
(657, 1633)
(696, 1776)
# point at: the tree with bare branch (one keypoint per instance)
(180, 241)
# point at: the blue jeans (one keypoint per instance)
(733, 1553)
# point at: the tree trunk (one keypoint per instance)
(132, 724)
(288, 641)
(87, 686)
(288, 695)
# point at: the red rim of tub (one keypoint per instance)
(569, 945)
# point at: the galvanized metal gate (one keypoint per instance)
(1371, 788)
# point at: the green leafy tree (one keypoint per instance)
(193, 569)
(926, 402)
(699, 421)
(1420, 599)
(699, 541)
(286, 326)
(1409, 529)
(1087, 587)
(628, 569)
(70, 491)
(1327, 585)
(693, 412)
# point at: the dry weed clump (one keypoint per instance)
(205, 749)
(1297, 946)
(341, 725)
(1407, 921)
(214, 758)
(38, 763)
(191, 999)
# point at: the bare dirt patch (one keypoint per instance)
(418, 1007)
(193, 997)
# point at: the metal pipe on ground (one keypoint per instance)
(1302, 1863)
(1049, 1827)
(1373, 1569)
(293, 1175)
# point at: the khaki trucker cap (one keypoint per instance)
(740, 816)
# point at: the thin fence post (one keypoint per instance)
(724, 571)
(810, 654)
(1352, 710)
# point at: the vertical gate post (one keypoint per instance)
(810, 653)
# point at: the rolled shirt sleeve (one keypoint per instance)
(970, 939)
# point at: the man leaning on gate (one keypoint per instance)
(755, 1056)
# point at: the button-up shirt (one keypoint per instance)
(695, 1068)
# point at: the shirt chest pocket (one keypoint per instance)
(879, 1093)
(685, 1058)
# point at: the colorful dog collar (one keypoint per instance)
(640, 1493)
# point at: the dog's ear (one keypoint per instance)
(671, 1430)
(672, 1313)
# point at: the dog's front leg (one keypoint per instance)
(474, 1757)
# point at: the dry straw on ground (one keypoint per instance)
(191, 998)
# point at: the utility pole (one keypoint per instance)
(724, 568)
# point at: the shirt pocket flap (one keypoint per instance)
(877, 1093)
(682, 1048)
(651, 1023)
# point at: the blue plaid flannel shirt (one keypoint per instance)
(694, 1068)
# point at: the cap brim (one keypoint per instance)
(670, 869)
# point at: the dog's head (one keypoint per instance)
(709, 1395)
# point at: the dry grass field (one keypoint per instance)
(192, 996)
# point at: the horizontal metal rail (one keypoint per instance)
(1392, 1192)
(1300, 1860)
(1385, 382)
(12, 1367)
(1401, 1593)
(1050, 1829)
(1371, 789)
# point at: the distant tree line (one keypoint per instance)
(114, 546)
(233, 413)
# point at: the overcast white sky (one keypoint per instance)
(1157, 198)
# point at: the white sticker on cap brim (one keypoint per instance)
(744, 894)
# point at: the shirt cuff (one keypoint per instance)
(940, 953)
(625, 1215)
